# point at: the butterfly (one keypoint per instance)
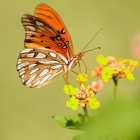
(48, 48)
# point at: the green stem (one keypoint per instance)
(85, 112)
(115, 87)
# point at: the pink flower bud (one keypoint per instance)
(96, 86)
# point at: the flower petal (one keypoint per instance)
(82, 78)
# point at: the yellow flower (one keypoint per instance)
(132, 62)
(93, 103)
(73, 103)
(129, 75)
(82, 78)
(70, 90)
(82, 96)
(101, 59)
(106, 74)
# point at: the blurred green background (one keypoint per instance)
(25, 113)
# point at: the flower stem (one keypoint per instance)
(85, 112)
(115, 87)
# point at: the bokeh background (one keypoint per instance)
(26, 113)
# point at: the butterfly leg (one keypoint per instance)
(74, 72)
(84, 65)
(79, 67)
(65, 76)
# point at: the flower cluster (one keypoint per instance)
(114, 68)
(83, 96)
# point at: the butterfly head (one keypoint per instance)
(79, 55)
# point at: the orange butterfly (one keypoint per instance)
(48, 48)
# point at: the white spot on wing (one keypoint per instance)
(29, 85)
(56, 67)
(32, 65)
(40, 55)
(43, 48)
(64, 59)
(34, 70)
(23, 69)
(31, 28)
(30, 55)
(39, 23)
(29, 35)
(22, 76)
(45, 79)
(26, 50)
(25, 19)
(55, 74)
(19, 62)
(52, 54)
(63, 31)
(22, 65)
(45, 71)
(21, 73)
(36, 83)
(49, 62)
(30, 80)
(64, 47)
(58, 38)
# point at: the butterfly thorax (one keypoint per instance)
(73, 61)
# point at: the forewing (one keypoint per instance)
(38, 66)
(42, 35)
(51, 17)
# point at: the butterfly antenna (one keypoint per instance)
(92, 49)
(92, 39)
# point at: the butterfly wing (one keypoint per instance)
(38, 66)
(51, 17)
(48, 47)
(42, 35)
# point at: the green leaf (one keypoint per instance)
(71, 122)
(77, 137)
(117, 120)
